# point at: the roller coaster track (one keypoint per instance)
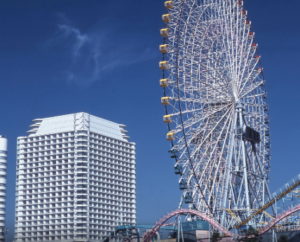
(232, 214)
(238, 219)
(148, 236)
(270, 216)
(276, 220)
(280, 193)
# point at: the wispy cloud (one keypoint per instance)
(79, 39)
(90, 54)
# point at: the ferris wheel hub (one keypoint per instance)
(239, 105)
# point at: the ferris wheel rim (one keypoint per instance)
(183, 129)
(180, 113)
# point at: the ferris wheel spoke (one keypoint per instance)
(209, 85)
(226, 125)
(244, 93)
(253, 74)
(188, 123)
(210, 132)
(219, 168)
(200, 62)
(202, 179)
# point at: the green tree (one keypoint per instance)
(250, 235)
(283, 238)
(215, 237)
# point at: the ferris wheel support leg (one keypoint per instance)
(270, 198)
(181, 201)
(266, 187)
(274, 237)
(227, 177)
(244, 164)
(178, 229)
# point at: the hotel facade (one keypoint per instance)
(3, 167)
(76, 179)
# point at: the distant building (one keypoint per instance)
(75, 174)
(3, 166)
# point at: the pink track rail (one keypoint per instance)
(148, 236)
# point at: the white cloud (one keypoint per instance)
(92, 53)
(79, 39)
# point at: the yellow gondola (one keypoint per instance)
(169, 4)
(166, 18)
(163, 82)
(168, 119)
(163, 48)
(163, 65)
(165, 100)
(164, 32)
(170, 136)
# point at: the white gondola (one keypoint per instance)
(244, 13)
(251, 35)
(256, 58)
(259, 70)
(254, 46)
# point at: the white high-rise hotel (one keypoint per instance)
(3, 166)
(75, 179)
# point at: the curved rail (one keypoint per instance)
(276, 220)
(280, 193)
(148, 236)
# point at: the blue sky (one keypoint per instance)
(60, 57)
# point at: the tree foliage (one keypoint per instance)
(283, 238)
(215, 237)
(250, 235)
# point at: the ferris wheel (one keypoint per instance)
(215, 108)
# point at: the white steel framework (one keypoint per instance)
(216, 107)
